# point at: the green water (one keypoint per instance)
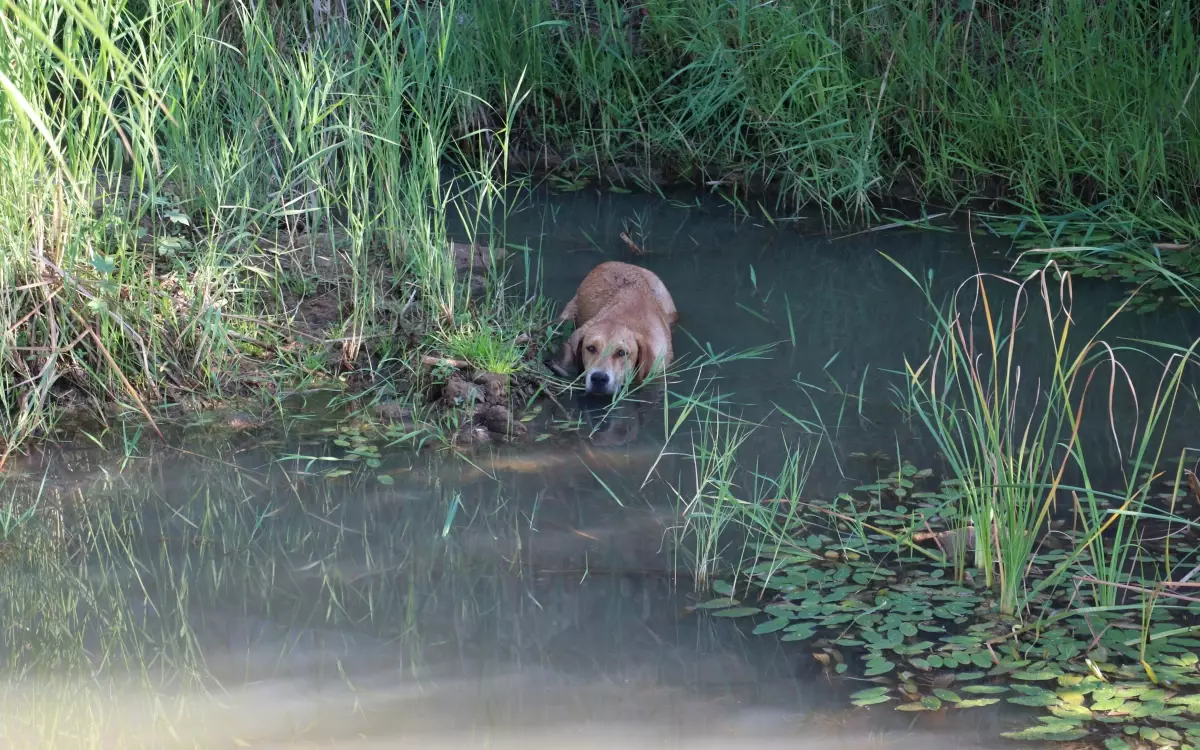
(219, 591)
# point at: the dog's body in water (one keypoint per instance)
(623, 316)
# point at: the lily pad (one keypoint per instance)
(878, 666)
(977, 702)
(736, 612)
(772, 625)
(870, 696)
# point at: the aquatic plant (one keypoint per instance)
(1029, 562)
(1009, 434)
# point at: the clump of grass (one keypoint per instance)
(174, 171)
(837, 103)
(1011, 435)
(483, 348)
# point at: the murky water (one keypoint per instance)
(222, 592)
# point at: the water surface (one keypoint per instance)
(211, 592)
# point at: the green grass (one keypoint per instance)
(484, 349)
(1010, 432)
(1041, 556)
(182, 185)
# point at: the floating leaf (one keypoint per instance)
(932, 702)
(985, 689)
(947, 695)
(384, 479)
(1112, 703)
(917, 706)
(1051, 733)
(982, 659)
(1148, 708)
(977, 702)
(723, 587)
(961, 640)
(736, 612)
(1031, 675)
(1073, 697)
(1191, 701)
(1034, 700)
(800, 632)
(1168, 733)
(1070, 711)
(717, 603)
(770, 626)
(878, 666)
(870, 696)
(781, 610)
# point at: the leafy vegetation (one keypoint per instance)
(201, 200)
(205, 199)
(1028, 572)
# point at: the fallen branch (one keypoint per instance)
(431, 361)
(634, 247)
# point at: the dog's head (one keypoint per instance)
(610, 355)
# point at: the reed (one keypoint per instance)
(181, 181)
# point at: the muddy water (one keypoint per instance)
(220, 592)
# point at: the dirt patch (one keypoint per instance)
(319, 312)
(485, 404)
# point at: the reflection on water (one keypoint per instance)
(207, 605)
(215, 595)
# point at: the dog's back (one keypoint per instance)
(621, 290)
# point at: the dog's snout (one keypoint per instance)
(599, 379)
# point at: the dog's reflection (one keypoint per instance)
(609, 423)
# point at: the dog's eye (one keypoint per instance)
(620, 352)
(591, 348)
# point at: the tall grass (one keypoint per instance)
(1017, 433)
(172, 169)
(1011, 435)
(1058, 104)
(176, 171)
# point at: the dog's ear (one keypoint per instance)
(571, 352)
(645, 358)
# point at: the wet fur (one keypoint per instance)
(619, 307)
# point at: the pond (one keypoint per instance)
(217, 590)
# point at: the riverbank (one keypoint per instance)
(282, 214)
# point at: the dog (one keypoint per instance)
(623, 316)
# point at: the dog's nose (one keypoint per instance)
(599, 379)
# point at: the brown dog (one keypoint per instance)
(623, 316)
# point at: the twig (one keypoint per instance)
(1163, 588)
(432, 361)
